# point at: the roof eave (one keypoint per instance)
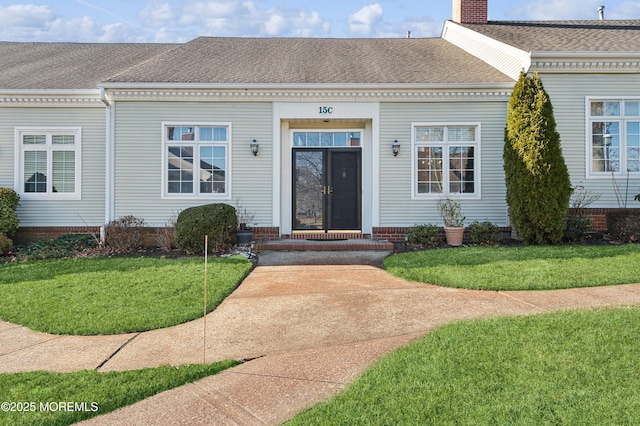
(302, 86)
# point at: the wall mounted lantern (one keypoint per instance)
(254, 147)
(395, 147)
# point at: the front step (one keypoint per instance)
(322, 252)
(334, 244)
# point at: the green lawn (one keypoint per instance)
(113, 295)
(520, 268)
(572, 368)
(36, 397)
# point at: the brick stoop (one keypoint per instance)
(357, 244)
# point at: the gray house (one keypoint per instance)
(315, 137)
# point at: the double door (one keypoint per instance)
(327, 189)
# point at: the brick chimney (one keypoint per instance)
(470, 11)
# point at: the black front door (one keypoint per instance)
(326, 189)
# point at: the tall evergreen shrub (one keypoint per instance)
(536, 176)
(8, 218)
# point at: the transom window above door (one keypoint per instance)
(326, 139)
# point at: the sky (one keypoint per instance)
(176, 21)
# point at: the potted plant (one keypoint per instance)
(244, 233)
(451, 213)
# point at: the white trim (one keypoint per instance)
(476, 195)
(110, 162)
(196, 195)
(302, 86)
(622, 119)
(506, 58)
(19, 162)
(499, 92)
(282, 170)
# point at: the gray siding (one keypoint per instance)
(568, 93)
(90, 209)
(138, 157)
(397, 208)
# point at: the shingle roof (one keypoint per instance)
(571, 36)
(65, 66)
(313, 61)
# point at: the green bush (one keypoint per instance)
(536, 176)
(218, 221)
(624, 225)
(5, 244)
(428, 235)
(483, 233)
(124, 234)
(9, 201)
(64, 246)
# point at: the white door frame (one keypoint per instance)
(283, 112)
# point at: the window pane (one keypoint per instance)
(63, 139)
(605, 146)
(633, 146)
(220, 134)
(354, 139)
(326, 139)
(34, 139)
(605, 109)
(180, 133)
(461, 169)
(64, 171)
(206, 134)
(632, 109)
(430, 170)
(462, 134)
(180, 169)
(430, 134)
(313, 139)
(35, 171)
(299, 139)
(212, 169)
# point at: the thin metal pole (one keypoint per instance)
(204, 330)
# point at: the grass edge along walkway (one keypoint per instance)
(569, 367)
(46, 398)
(520, 268)
(97, 296)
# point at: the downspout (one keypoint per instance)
(109, 182)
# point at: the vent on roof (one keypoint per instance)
(601, 13)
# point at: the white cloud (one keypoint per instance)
(40, 23)
(558, 10)
(363, 21)
(190, 18)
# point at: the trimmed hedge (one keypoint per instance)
(218, 221)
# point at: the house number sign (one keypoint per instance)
(325, 110)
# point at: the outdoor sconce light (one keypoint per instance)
(254, 147)
(395, 147)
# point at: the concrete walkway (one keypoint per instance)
(307, 331)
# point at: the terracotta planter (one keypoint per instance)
(454, 235)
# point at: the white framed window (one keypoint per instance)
(48, 163)
(446, 159)
(613, 136)
(196, 160)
